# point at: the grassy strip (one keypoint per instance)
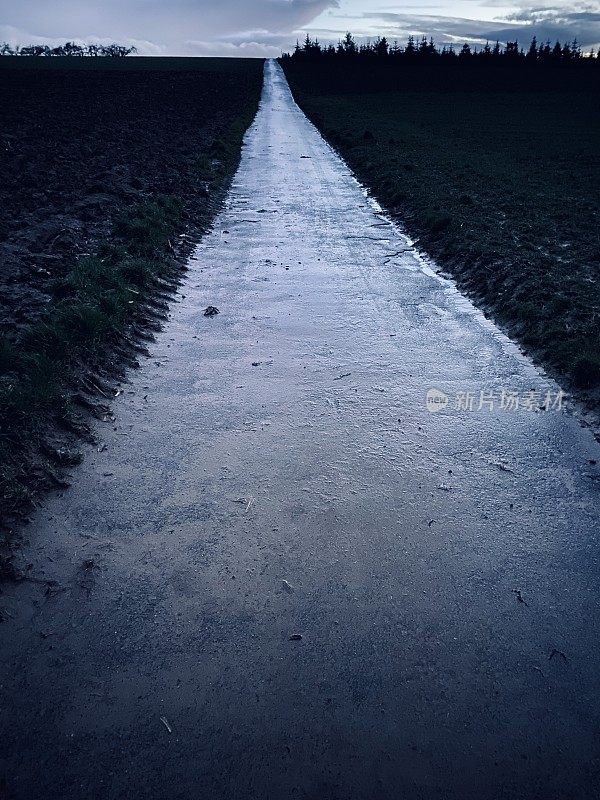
(501, 189)
(91, 309)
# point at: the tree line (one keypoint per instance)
(425, 50)
(68, 49)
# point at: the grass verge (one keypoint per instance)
(93, 304)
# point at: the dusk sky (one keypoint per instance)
(266, 27)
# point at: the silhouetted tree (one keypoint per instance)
(68, 49)
(381, 47)
(348, 45)
(532, 53)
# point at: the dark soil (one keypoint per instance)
(78, 144)
(109, 172)
(500, 187)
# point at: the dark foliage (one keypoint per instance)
(421, 64)
(68, 49)
(426, 51)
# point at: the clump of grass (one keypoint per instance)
(436, 222)
(147, 227)
(586, 370)
(22, 398)
(139, 272)
(204, 166)
(9, 356)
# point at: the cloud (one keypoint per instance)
(249, 49)
(441, 28)
(15, 36)
(264, 44)
(179, 27)
(264, 28)
(581, 21)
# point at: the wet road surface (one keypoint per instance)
(273, 471)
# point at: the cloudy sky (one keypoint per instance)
(266, 27)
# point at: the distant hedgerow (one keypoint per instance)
(69, 49)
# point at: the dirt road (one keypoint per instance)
(273, 472)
